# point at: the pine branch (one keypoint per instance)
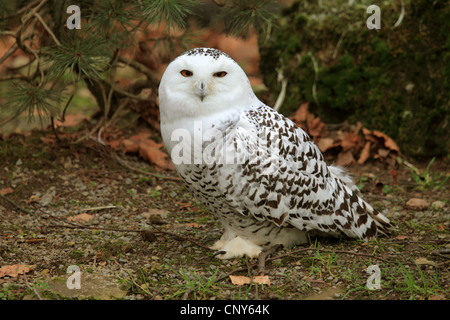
(171, 12)
(243, 15)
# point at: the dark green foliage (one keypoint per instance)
(81, 56)
(91, 55)
(173, 12)
(24, 97)
(242, 15)
(395, 79)
(114, 21)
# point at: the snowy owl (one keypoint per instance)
(257, 172)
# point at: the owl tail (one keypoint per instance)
(379, 224)
(384, 225)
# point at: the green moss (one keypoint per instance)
(396, 80)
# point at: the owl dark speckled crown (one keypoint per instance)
(208, 52)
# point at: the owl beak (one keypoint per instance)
(202, 91)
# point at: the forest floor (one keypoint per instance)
(136, 233)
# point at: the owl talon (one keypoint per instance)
(219, 252)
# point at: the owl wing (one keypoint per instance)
(282, 176)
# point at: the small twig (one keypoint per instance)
(400, 18)
(441, 253)
(63, 116)
(129, 230)
(15, 76)
(31, 288)
(219, 3)
(55, 131)
(15, 204)
(316, 79)
(9, 52)
(8, 33)
(297, 251)
(262, 258)
(124, 92)
(183, 238)
(137, 66)
(116, 113)
(47, 28)
(332, 251)
(34, 240)
(92, 228)
(282, 94)
(126, 165)
(338, 44)
(38, 69)
(98, 208)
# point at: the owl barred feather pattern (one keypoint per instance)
(258, 173)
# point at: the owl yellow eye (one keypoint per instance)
(220, 74)
(186, 73)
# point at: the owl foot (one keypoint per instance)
(235, 248)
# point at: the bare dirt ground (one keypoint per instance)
(135, 233)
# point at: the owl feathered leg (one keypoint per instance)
(236, 248)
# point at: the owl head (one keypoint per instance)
(203, 81)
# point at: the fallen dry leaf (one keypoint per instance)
(422, 261)
(388, 142)
(438, 204)
(315, 125)
(147, 148)
(394, 177)
(437, 297)
(129, 146)
(141, 136)
(345, 158)
(417, 204)
(152, 212)
(156, 156)
(365, 153)
(358, 127)
(6, 191)
(82, 217)
(351, 141)
(241, 280)
(34, 198)
(307, 121)
(262, 280)
(71, 120)
(325, 143)
(193, 225)
(15, 269)
(401, 237)
(383, 153)
(301, 114)
(151, 144)
(48, 140)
